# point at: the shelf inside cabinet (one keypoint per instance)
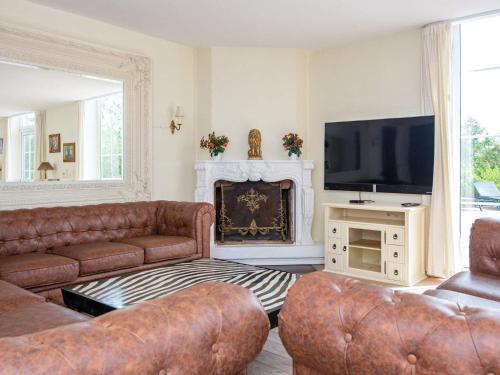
(366, 244)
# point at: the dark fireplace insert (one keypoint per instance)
(254, 212)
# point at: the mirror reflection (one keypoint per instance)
(59, 126)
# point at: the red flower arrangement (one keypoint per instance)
(214, 144)
(293, 144)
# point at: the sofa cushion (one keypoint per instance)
(38, 317)
(477, 284)
(13, 297)
(100, 257)
(463, 300)
(158, 248)
(36, 269)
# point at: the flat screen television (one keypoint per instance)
(390, 155)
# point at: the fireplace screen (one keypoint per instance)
(253, 212)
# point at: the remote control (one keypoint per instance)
(410, 204)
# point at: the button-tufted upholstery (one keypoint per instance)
(210, 329)
(97, 241)
(333, 325)
(483, 279)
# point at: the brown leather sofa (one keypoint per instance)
(334, 325)
(43, 249)
(210, 329)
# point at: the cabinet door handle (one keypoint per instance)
(334, 230)
(334, 260)
(395, 255)
(344, 248)
(334, 247)
(396, 272)
(395, 237)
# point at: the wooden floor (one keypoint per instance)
(274, 360)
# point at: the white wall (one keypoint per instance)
(244, 88)
(375, 79)
(172, 81)
(63, 120)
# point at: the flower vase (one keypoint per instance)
(217, 157)
(293, 157)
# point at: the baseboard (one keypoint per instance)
(271, 255)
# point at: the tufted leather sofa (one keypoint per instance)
(334, 325)
(210, 329)
(43, 249)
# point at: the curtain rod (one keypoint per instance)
(470, 17)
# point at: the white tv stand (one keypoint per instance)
(383, 242)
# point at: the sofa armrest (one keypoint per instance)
(187, 219)
(210, 329)
(484, 249)
(330, 324)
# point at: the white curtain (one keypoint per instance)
(41, 140)
(443, 258)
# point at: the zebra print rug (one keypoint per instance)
(270, 286)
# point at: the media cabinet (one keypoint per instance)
(383, 242)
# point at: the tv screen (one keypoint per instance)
(390, 155)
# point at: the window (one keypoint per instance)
(101, 138)
(22, 147)
(110, 111)
(480, 122)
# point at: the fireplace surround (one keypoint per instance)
(300, 248)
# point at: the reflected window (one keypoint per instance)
(102, 138)
(21, 147)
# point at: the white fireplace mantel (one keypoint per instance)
(299, 171)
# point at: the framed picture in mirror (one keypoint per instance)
(54, 143)
(69, 150)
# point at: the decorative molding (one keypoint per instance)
(44, 50)
(299, 171)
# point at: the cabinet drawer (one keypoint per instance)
(395, 236)
(335, 245)
(396, 254)
(333, 261)
(395, 271)
(335, 229)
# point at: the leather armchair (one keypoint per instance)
(210, 329)
(333, 325)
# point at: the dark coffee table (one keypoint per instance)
(102, 296)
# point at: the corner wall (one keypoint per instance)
(244, 88)
(379, 78)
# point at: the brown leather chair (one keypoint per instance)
(335, 325)
(480, 286)
(43, 249)
(210, 329)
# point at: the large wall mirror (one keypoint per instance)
(74, 122)
(59, 126)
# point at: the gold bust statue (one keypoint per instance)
(254, 141)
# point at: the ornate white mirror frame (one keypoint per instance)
(40, 49)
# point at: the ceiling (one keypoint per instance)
(271, 23)
(25, 89)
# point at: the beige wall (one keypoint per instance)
(374, 79)
(173, 84)
(63, 120)
(244, 88)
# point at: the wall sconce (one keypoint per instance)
(179, 115)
